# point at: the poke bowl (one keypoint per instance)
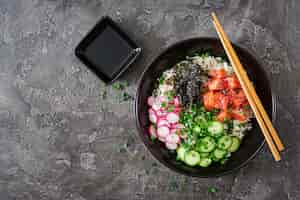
(191, 112)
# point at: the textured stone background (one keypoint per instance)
(62, 138)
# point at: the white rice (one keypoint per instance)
(211, 62)
(239, 129)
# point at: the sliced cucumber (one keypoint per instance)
(219, 153)
(215, 128)
(205, 162)
(214, 158)
(196, 129)
(204, 155)
(181, 151)
(235, 144)
(200, 119)
(192, 158)
(224, 142)
(206, 145)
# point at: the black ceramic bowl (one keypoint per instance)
(253, 141)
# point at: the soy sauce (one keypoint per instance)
(108, 51)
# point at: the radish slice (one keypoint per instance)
(163, 122)
(171, 146)
(161, 113)
(177, 109)
(174, 126)
(176, 101)
(173, 138)
(162, 99)
(163, 131)
(150, 100)
(152, 116)
(152, 131)
(156, 105)
(173, 117)
(162, 139)
(151, 111)
(173, 130)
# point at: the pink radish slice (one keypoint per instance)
(162, 99)
(173, 117)
(173, 130)
(163, 122)
(177, 109)
(171, 146)
(162, 139)
(161, 113)
(152, 131)
(172, 138)
(151, 111)
(156, 105)
(163, 131)
(152, 116)
(150, 100)
(174, 126)
(176, 101)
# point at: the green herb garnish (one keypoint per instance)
(161, 80)
(205, 55)
(212, 189)
(126, 96)
(118, 86)
(171, 108)
(170, 94)
(152, 138)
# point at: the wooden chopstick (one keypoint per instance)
(251, 95)
(255, 97)
(251, 89)
(251, 101)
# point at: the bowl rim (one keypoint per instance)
(140, 130)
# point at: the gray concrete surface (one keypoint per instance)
(63, 138)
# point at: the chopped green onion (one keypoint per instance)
(212, 189)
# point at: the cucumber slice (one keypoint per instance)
(214, 158)
(200, 119)
(219, 153)
(215, 128)
(235, 144)
(224, 142)
(196, 129)
(192, 158)
(204, 155)
(206, 145)
(181, 151)
(205, 162)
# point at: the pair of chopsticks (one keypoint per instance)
(262, 117)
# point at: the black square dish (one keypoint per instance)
(107, 50)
